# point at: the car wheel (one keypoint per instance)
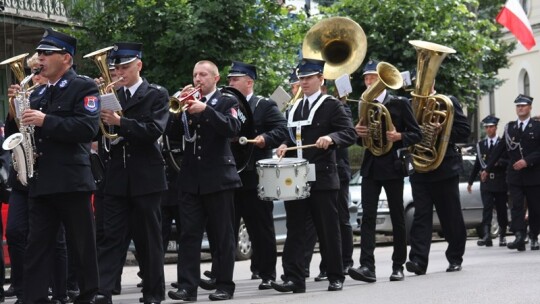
(243, 248)
(409, 216)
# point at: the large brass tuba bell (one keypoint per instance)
(375, 115)
(434, 113)
(100, 59)
(340, 42)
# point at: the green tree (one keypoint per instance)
(178, 33)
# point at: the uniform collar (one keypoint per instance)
(132, 89)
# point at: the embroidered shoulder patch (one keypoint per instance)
(91, 103)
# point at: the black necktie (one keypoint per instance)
(520, 127)
(491, 144)
(305, 109)
(128, 95)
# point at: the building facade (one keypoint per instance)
(521, 77)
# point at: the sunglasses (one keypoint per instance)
(49, 52)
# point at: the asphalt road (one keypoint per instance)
(489, 275)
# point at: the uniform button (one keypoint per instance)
(129, 155)
(199, 147)
(198, 137)
(127, 144)
(229, 160)
(40, 153)
(198, 157)
(40, 140)
(198, 126)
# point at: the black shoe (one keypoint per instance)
(415, 268)
(220, 295)
(335, 286)
(283, 278)
(10, 292)
(208, 274)
(502, 241)
(362, 273)
(453, 267)
(265, 284)
(397, 275)
(73, 293)
(489, 242)
(518, 243)
(288, 287)
(255, 276)
(59, 301)
(534, 244)
(182, 294)
(140, 284)
(481, 242)
(208, 284)
(174, 285)
(102, 299)
(346, 270)
(321, 277)
(116, 292)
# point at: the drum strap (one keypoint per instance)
(297, 139)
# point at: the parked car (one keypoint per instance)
(471, 204)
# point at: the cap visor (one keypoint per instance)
(122, 61)
(521, 103)
(306, 74)
(369, 72)
(236, 74)
(47, 47)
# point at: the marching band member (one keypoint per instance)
(207, 181)
(385, 171)
(493, 189)
(522, 143)
(330, 128)
(134, 178)
(440, 188)
(65, 116)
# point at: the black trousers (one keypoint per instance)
(444, 195)
(498, 201)
(259, 219)
(371, 189)
(140, 215)
(522, 196)
(345, 228)
(46, 214)
(322, 205)
(168, 214)
(215, 212)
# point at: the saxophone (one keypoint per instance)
(22, 144)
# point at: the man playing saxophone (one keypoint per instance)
(384, 171)
(65, 114)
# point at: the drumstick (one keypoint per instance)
(244, 141)
(296, 148)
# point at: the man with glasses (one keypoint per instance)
(493, 189)
(65, 116)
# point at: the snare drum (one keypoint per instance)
(283, 180)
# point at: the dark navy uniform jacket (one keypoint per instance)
(529, 141)
(496, 181)
(385, 167)
(208, 164)
(136, 165)
(332, 120)
(452, 163)
(269, 121)
(63, 142)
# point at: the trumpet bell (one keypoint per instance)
(339, 41)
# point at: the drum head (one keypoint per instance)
(242, 153)
(284, 162)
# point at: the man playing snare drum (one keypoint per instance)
(324, 123)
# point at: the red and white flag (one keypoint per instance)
(513, 17)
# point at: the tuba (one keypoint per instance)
(376, 116)
(100, 59)
(340, 42)
(434, 113)
(22, 144)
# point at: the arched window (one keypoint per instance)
(526, 84)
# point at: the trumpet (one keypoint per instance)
(178, 103)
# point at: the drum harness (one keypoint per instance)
(300, 123)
